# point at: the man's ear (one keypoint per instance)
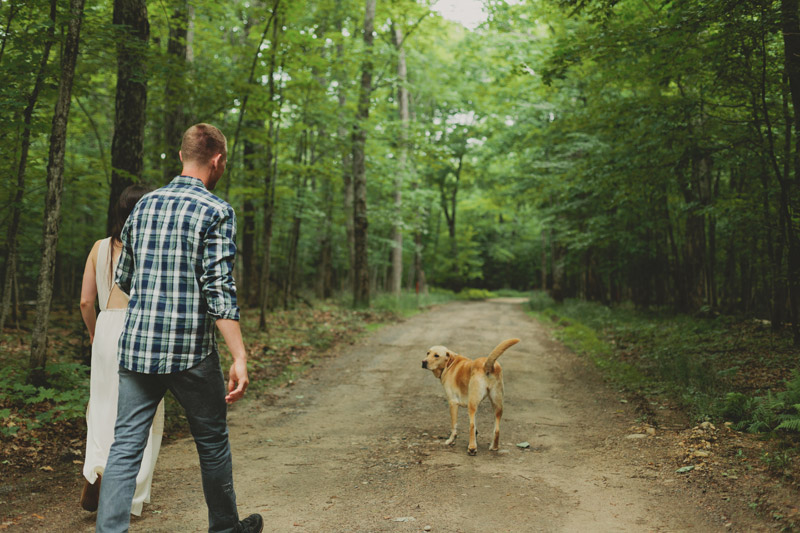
(180, 156)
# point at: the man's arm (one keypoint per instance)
(219, 291)
(237, 377)
(216, 282)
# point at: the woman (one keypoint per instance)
(101, 413)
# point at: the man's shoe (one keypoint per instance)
(252, 524)
(90, 495)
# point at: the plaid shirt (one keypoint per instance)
(177, 265)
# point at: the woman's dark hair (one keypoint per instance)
(125, 204)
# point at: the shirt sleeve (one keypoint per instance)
(216, 282)
(124, 273)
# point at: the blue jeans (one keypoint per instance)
(201, 392)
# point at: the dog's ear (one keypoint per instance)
(449, 353)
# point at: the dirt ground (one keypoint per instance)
(357, 445)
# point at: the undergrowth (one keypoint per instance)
(718, 368)
(25, 407)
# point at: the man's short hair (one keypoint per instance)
(201, 142)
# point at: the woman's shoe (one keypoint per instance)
(90, 495)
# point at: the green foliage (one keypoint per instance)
(619, 151)
(773, 412)
(585, 341)
(791, 421)
(539, 301)
(475, 294)
(777, 462)
(695, 361)
(29, 407)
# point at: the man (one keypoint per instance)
(177, 265)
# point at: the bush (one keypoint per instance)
(475, 294)
(539, 301)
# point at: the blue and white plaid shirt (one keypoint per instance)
(178, 246)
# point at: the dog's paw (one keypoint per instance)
(472, 451)
(450, 441)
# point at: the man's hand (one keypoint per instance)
(238, 381)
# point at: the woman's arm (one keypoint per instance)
(89, 291)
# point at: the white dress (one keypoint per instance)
(101, 413)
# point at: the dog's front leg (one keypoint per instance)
(453, 423)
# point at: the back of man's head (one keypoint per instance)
(201, 142)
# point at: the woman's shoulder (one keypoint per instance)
(96, 249)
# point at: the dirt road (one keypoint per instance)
(357, 445)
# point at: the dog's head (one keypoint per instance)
(437, 359)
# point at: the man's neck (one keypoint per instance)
(201, 173)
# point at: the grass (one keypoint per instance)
(696, 361)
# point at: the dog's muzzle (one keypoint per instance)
(424, 364)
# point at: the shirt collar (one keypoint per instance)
(188, 180)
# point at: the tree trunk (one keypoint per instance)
(297, 220)
(449, 205)
(345, 143)
(789, 188)
(15, 314)
(175, 89)
(271, 174)
(403, 112)
(251, 293)
(557, 254)
(16, 210)
(325, 268)
(696, 190)
(127, 145)
(249, 278)
(544, 260)
(360, 266)
(55, 183)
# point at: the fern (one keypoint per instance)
(766, 414)
(735, 406)
(791, 422)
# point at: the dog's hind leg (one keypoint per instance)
(472, 449)
(453, 423)
(497, 403)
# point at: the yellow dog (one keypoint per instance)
(467, 382)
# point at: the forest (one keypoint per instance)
(607, 150)
(620, 161)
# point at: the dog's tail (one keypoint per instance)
(488, 366)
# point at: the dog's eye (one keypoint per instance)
(436, 355)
